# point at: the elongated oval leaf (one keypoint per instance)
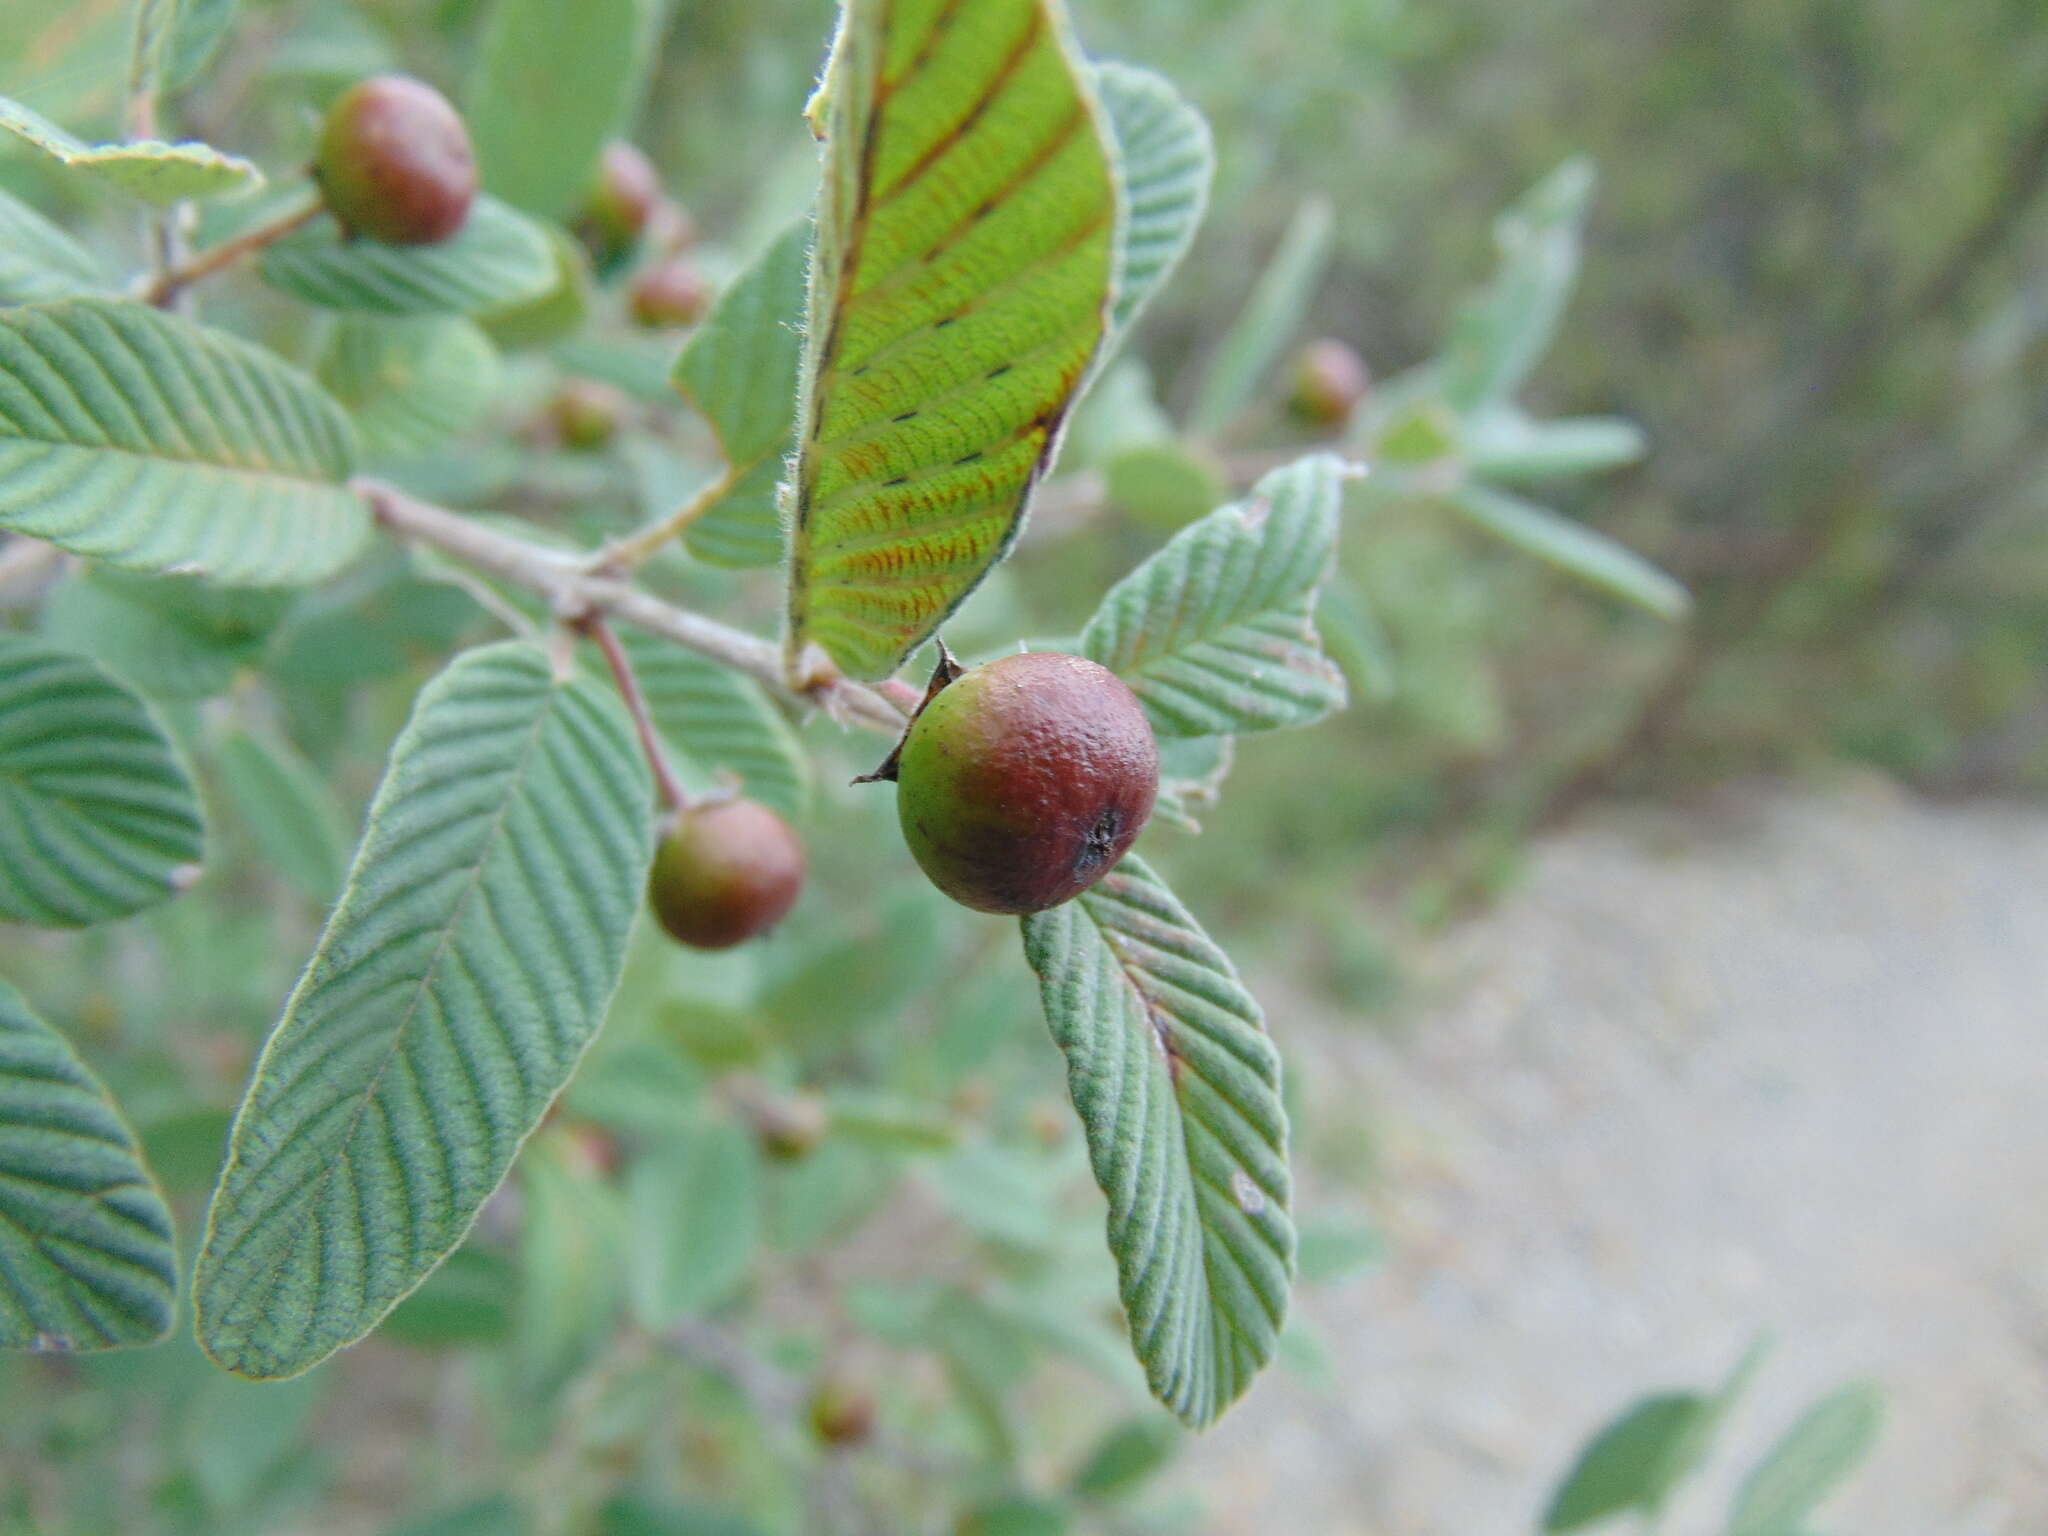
(1634, 1461)
(410, 382)
(38, 261)
(961, 284)
(1270, 317)
(1505, 445)
(1503, 330)
(97, 817)
(718, 722)
(467, 966)
(288, 810)
(1808, 1462)
(1573, 548)
(86, 1259)
(147, 441)
(1178, 1090)
(498, 258)
(155, 172)
(1166, 161)
(552, 83)
(168, 637)
(739, 368)
(1216, 632)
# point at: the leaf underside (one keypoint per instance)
(410, 382)
(1215, 633)
(138, 438)
(718, 722)
(959, 290)
(497, 259)
(739, 369)
(38, 261)
(155, 172)
(97, 818)
(1165, 160)
(86, 1255)
(1178, 1090)
(467, 966)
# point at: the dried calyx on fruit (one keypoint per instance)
(1022, 782)
(395, 162)
(1330, 379)
(623, 200)
(724, 872)
(668, 293)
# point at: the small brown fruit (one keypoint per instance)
(788, 1128)
(670, 293)
(1329, 380)
(724, 873)
(842, 1412)
(1024, 781)
(395, 162)
(586, 413)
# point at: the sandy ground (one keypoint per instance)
(1780, 1064)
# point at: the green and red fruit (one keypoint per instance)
(586, 413)
(622, 202)
(724, 873)
(1330, 379)
(670, 293)
(1022, 782)
(842, 1412)
(395, 162)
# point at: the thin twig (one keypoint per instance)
(572, 592)
(169, 284)
(626, 555)
(672, 792)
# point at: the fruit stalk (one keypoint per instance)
(172, 281)
(673, 795)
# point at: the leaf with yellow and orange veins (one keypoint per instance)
(960, 285)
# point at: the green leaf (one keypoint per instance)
(97, 817)
(1191, 774)
(155, 172)
(552, 83)
(1022, 1515)
(1268, 322)
(630, 1516)
(1166, 161)
(1506, 446)
(471, 1299)
(147, 441)
(196, 35)
(288, 809)
(739, 369)
(964, 266)
(718, 722)
(410, 383)
(85, 1238)
(1128, 1456)
(1634, 1462)
(1808, 1462)
(38, 261)
(1216, 633)
(170, 637)
(558, 311)
(466, 968)
(572, 1242)
(497, 1515)
(1502, 332)
(1355, 638)
(694, 1216)
(498, 258)
(1573, 548)
(1178, 1090)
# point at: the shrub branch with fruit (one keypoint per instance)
(888, 384)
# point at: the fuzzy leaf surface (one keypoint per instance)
(1178, 1090)
(1216, 633)
(156, 172)
(498, 258)
(1167, 160)
(86, 1257)
(38, 261)
(97, 816)
(141, 439)
(468, 964)
(960, 288)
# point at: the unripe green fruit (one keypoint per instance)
(724, 873)
(1330, 379)
(586, 413)
(1024, 781)
(622, 201)
(395, 162)
(670, 293)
